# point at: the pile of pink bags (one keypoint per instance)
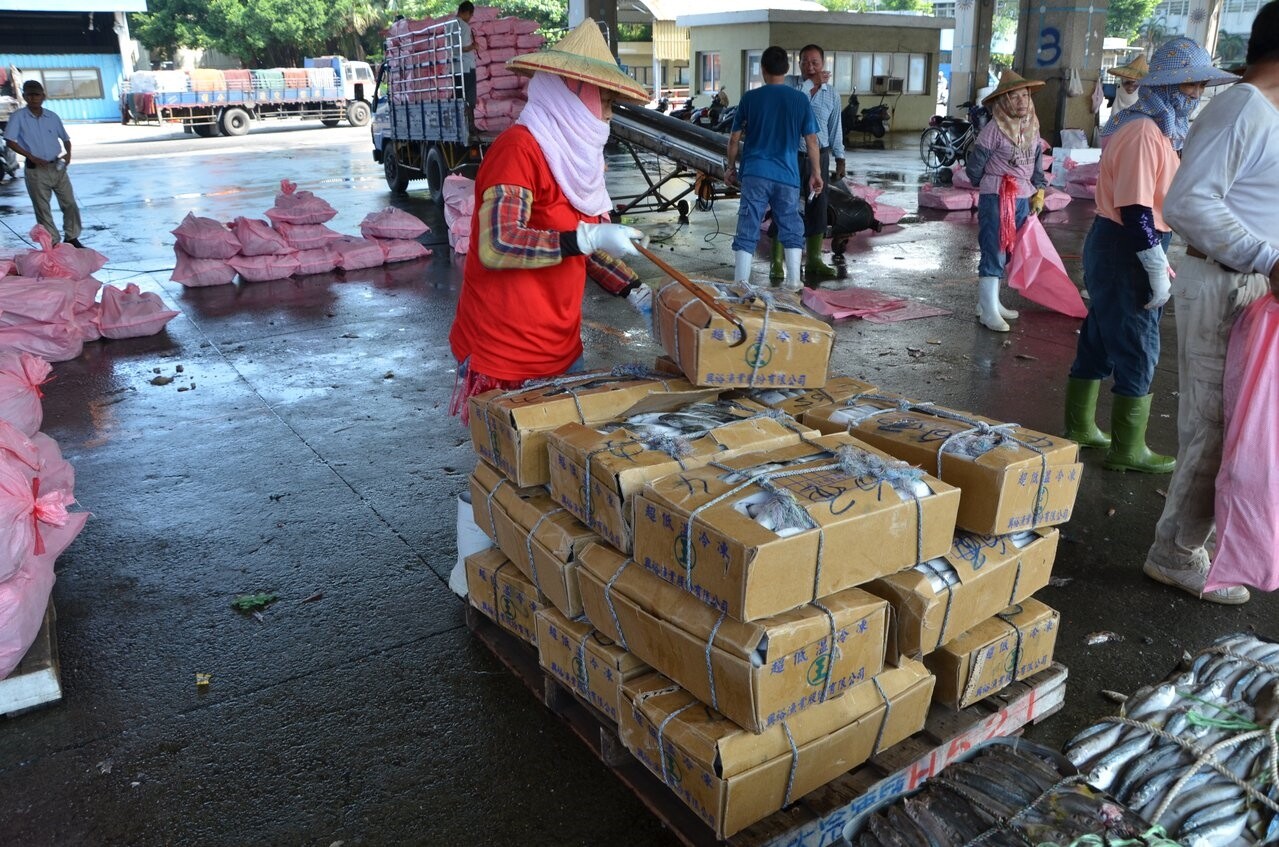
(294, 242)
(36, 487)
(426, 60)
(1081, 180)
(459, 207)
(49, 302)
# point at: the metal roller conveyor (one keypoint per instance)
(697, 152)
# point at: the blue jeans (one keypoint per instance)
(759, 194)
(1119, 336)
(992, 258)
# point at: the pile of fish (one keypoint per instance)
(1007, 795)
(1195, 754)
(691, 421)
(941, 573)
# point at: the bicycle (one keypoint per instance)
(947, 139)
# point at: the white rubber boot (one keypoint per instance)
(793, 256)
(470, 539)
(1004, 312)
(988, 304)
(742, 266)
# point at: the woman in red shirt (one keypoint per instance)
(539, 229)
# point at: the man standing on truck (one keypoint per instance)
(540, 226)
(465, 11)
(34, 132)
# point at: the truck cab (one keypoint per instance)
(354, 78)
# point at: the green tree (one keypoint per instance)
(262, 33)
(1125, 17)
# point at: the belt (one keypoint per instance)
(1195, 253)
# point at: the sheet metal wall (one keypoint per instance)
(109, 67)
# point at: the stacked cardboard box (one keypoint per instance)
(766, 603)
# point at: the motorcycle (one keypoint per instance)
(726, 120)
(685, 111)
(872, 121)
(948, 139)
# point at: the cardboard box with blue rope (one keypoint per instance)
(596, 470)
(584, 661)
(1013, 645)
(508, 428)
(1012, 478)
(539, 536)
(503, 594)
(785, 346)
(769, 531)
(731, 778)
(757, 673)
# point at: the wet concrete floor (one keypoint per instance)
(311, 456)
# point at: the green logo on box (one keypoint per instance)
(685, 553)
(759, 354)
(673, 775)
(819, 668)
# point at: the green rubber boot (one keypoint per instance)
(1128, 450)
(777, 268)
(1081, 413)
(814, 268)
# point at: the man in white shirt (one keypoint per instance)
(38, 134)
(1222, 202)
(830, 140)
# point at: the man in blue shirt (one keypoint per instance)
(826, 107)
(38, 134)
(769, 124)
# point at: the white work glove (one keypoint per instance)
(641, 300)
(1155, 261)
(613, 239)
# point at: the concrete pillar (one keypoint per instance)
(128, 58)
(1051, 42)
(1203, 24)
(603, 12)
(970, 53)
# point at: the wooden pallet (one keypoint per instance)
(37, 679)
(815, 820)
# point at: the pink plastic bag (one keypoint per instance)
(459, 199)
(56, 342)
(952, 199)
(1082, 190)
(85, 322)
(318, 261)
(17, 449)
(959, 179)
(21, 376)
(392, 223)
(63, 261)
(1055, 200)
(205, 238)
(24, 597)
(299, 207)
(307, 236)
(257, 238)
(1036, 271)
(55, 473)
(86, 292)
(399, 250)
(26, 511)
(355, 253)
(265, 268)
(131, 313)
(197, 273)
(25, 300)
(1247, 503)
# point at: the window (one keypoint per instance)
(843, 77)
(917, 74)
(857, 71)
(944, 10)
(640, 73)
(67, 83)
(709, 76)
(681, 75)
(754, 74)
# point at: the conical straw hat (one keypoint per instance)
(1134, 70)
(582, 55)
(1010, 81)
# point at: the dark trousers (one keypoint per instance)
(815, 209)
(1119, 336)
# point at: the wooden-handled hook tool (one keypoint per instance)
(697, 291)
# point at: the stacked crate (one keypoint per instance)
(771, 602)
(429, 50)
